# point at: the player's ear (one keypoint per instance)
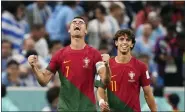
(132, 45)
(69, 28)
(86, 31)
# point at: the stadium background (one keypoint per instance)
(41, 28)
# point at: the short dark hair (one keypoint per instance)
(174, 99)
(52, 94)
(12, 62)
(128, 32)
(102, 9)
(54, 42)
(37, 26)
(79, 17)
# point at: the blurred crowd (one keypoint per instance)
(41, 28)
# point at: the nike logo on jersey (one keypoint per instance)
(113, 76)
(66, 61)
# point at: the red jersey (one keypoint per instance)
(77, 71)
(124, 89)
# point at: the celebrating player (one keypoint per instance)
(128, 75)
(76, 65)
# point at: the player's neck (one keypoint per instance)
(77, 43)
(123, 58)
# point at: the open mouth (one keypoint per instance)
(77, 28)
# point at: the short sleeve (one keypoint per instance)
(97, 59)
(145, 77)
(53, 64)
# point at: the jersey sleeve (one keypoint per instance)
(53, 64)
(98, 60)
(145, 78)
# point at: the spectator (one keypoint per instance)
(143, 44)
(28, 44)
(174, 101)
(141, 16)
(40, 42)
(52, 96)
(62, 15)
(79, 11)
(13, 25)
(38, 13)
(53, 47)
(7, 104)
(8, 55)
(161, 101)
(100, 28)
(168, 57)
(158, 29)
(11, 76)
(114, 12)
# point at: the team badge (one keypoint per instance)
(86, 62)
(131, 75)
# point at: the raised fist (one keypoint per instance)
(105, 57)
(33, 60)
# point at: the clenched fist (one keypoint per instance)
(33, 60)
(105, 57)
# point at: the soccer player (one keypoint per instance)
(76, 65)
(127, 76)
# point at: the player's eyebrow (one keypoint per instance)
(78, 20)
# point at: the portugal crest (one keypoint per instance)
(131, 75)
(86, 61)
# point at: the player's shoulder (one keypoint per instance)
(112, 58)
(138, 63)
(92, 49)
(61, 51)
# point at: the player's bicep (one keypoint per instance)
(47, 75)
(147, 90)
(54, 63)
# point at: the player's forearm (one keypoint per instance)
(107, 74)
(151, 102)
(101, 94)
(40, 76)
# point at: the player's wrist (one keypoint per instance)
(101, 101)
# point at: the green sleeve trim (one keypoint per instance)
(98, 83)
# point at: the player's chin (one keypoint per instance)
(77, 36)
(124, 51)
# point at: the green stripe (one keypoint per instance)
(71, 99)
(116, 104)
